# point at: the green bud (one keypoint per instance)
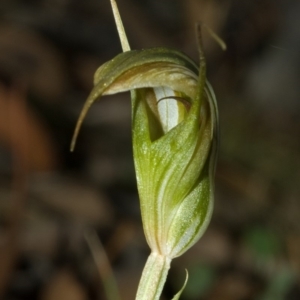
(175, 136)
(174, 119)
(174, 167)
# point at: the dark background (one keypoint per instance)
(50, 198)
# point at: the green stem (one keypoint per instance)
(154, 277)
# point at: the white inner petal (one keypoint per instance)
(168, 109)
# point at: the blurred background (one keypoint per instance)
(56, 206)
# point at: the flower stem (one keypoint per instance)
(153, 277)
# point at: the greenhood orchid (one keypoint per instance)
(175, 134)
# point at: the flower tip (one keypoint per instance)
(74, 138)
(83, 113)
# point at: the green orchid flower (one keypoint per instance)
(175, 134)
